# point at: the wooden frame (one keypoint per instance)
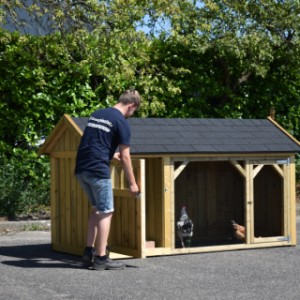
(282, 164)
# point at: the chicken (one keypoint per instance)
(185, 228)
(239, 231)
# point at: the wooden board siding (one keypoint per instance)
(127, 235)
(60, 206)
(69, 205)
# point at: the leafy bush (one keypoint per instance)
(24, 183)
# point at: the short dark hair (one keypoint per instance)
(130, 96)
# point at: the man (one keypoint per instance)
(107, 130)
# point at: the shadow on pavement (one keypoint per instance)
(38, 256)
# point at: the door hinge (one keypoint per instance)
(283, 161)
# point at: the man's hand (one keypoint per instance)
(127, 167)
(117, 156)
(134, 189)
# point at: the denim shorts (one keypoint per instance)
(99, 191)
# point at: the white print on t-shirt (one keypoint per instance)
(98, 126)
(101, 121)
(101, 125)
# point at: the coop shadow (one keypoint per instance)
(38, 256)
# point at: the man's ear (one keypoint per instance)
(131, 105)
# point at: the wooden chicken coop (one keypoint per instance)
(220, 169)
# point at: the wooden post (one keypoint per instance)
(168, 203)
(291, 186)
(249, 213)
(141, 208)
(286, 201)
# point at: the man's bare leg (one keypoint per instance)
(103, 229)
(92, 227)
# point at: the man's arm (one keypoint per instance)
(127, 167)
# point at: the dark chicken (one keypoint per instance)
(185, 228)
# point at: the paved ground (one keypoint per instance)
(30, 270)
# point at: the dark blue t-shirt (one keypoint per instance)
(106, 130)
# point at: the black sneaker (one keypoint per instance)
(107, 264)
(88, 256)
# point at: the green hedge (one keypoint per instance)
(24, 183)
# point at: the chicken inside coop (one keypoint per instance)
(239, 231)
(185, 228)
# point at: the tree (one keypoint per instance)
(233, 59)
(196, 59)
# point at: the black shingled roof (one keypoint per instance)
(205, 136)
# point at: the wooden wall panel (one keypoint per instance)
(115, 237)
(62, 201)
(73, 203)
(55, 208)
(69, 204)
(125, 225)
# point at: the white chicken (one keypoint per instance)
(185, 228)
